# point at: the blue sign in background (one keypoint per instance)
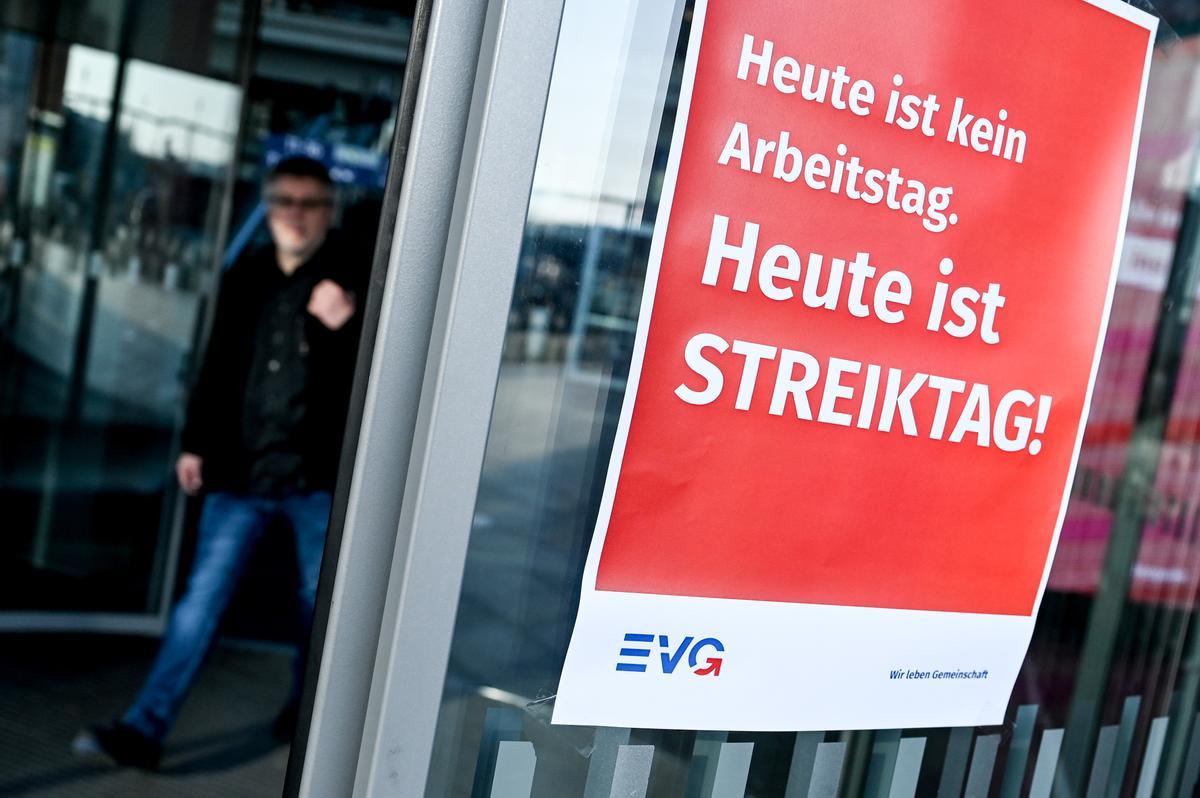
(348, 164)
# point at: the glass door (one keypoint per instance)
(119, 134)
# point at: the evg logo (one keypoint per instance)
(636, 658)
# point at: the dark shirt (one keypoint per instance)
(269, 406)
(276, 386)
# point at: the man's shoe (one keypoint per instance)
(120, 744)
(283, 728)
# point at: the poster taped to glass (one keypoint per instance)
(879, 281)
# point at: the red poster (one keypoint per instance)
(880, 278)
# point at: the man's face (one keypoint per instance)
(299, 213)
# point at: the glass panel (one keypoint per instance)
(110, 235)
(1104, 697)
(47, 229)
(326, 84)
(131, 176)
(110, 241)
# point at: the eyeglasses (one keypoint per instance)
(283, 202)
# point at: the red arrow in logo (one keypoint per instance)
(713, 669)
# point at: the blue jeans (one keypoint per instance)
(231, 526)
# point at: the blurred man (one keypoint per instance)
(261, 441)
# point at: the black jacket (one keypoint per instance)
(214, 428)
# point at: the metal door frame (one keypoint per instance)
(394, 577)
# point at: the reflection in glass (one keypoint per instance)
(1107, 681)
(114, 169)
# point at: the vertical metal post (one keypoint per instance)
(511, 86)
(1137, 481)
(857, 762)
(77, 385)
(431, 128)
(1181, 737)
(77, 376)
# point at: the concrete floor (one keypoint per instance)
(51, 686)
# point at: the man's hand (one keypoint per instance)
(331, 304)
(188, 471)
